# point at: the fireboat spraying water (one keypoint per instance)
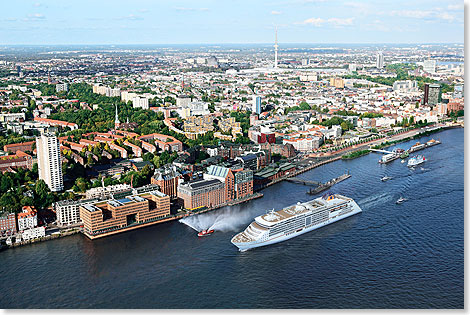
(205, 233)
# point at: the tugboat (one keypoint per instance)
(385, 178)
(205, 233)
(401, 200)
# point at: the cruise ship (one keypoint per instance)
(278, 226)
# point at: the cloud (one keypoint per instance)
(35, 17)
(446, 16)
(436, 14)
(419, 14)
(335, 22)
(312, 21)
(341, 22)
(191, 9)
(455, 7)
(276, 12)
(131, 17)
(360, 7)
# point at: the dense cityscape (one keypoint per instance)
(106, 139)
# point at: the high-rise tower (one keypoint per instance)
(49, 161)
(275, 51)
(380, 60)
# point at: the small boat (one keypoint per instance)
(401, 200)
(385, 178)
(205, 233)
(402, 161)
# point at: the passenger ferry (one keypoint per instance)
(432, 142)
(416, 160)
(417, 146)
(388, 158)
(278, 226)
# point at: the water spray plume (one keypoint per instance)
(224, 220)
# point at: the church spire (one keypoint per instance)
(116, 120)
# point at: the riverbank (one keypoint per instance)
(355, 154)
(48, 237)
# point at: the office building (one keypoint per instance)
(380, 60)
(431, 94)
(256, 106)
(118, 215)
(50, 161)
(202, 193)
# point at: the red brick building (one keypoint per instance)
(8, 223)
(23, 146)
(20, 159)
(238, 183)
(167, 179)
(202, 193)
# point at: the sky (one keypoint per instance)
(51, 22)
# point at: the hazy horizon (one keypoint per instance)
(207, 22)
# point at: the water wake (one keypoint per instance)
(225, 220)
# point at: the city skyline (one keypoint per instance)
(209, 22)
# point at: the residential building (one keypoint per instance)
(429, 66)
(50, 161)
(140, 102)
(23, 146)
(20, 159)
(61, 87)
(405, 86)
(106, 191)
(337, 83)
(8, 223)
(68, 212)
(27, 219)
(33, 233)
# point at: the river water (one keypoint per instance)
(389, 256)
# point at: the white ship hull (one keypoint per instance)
(244, 246)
